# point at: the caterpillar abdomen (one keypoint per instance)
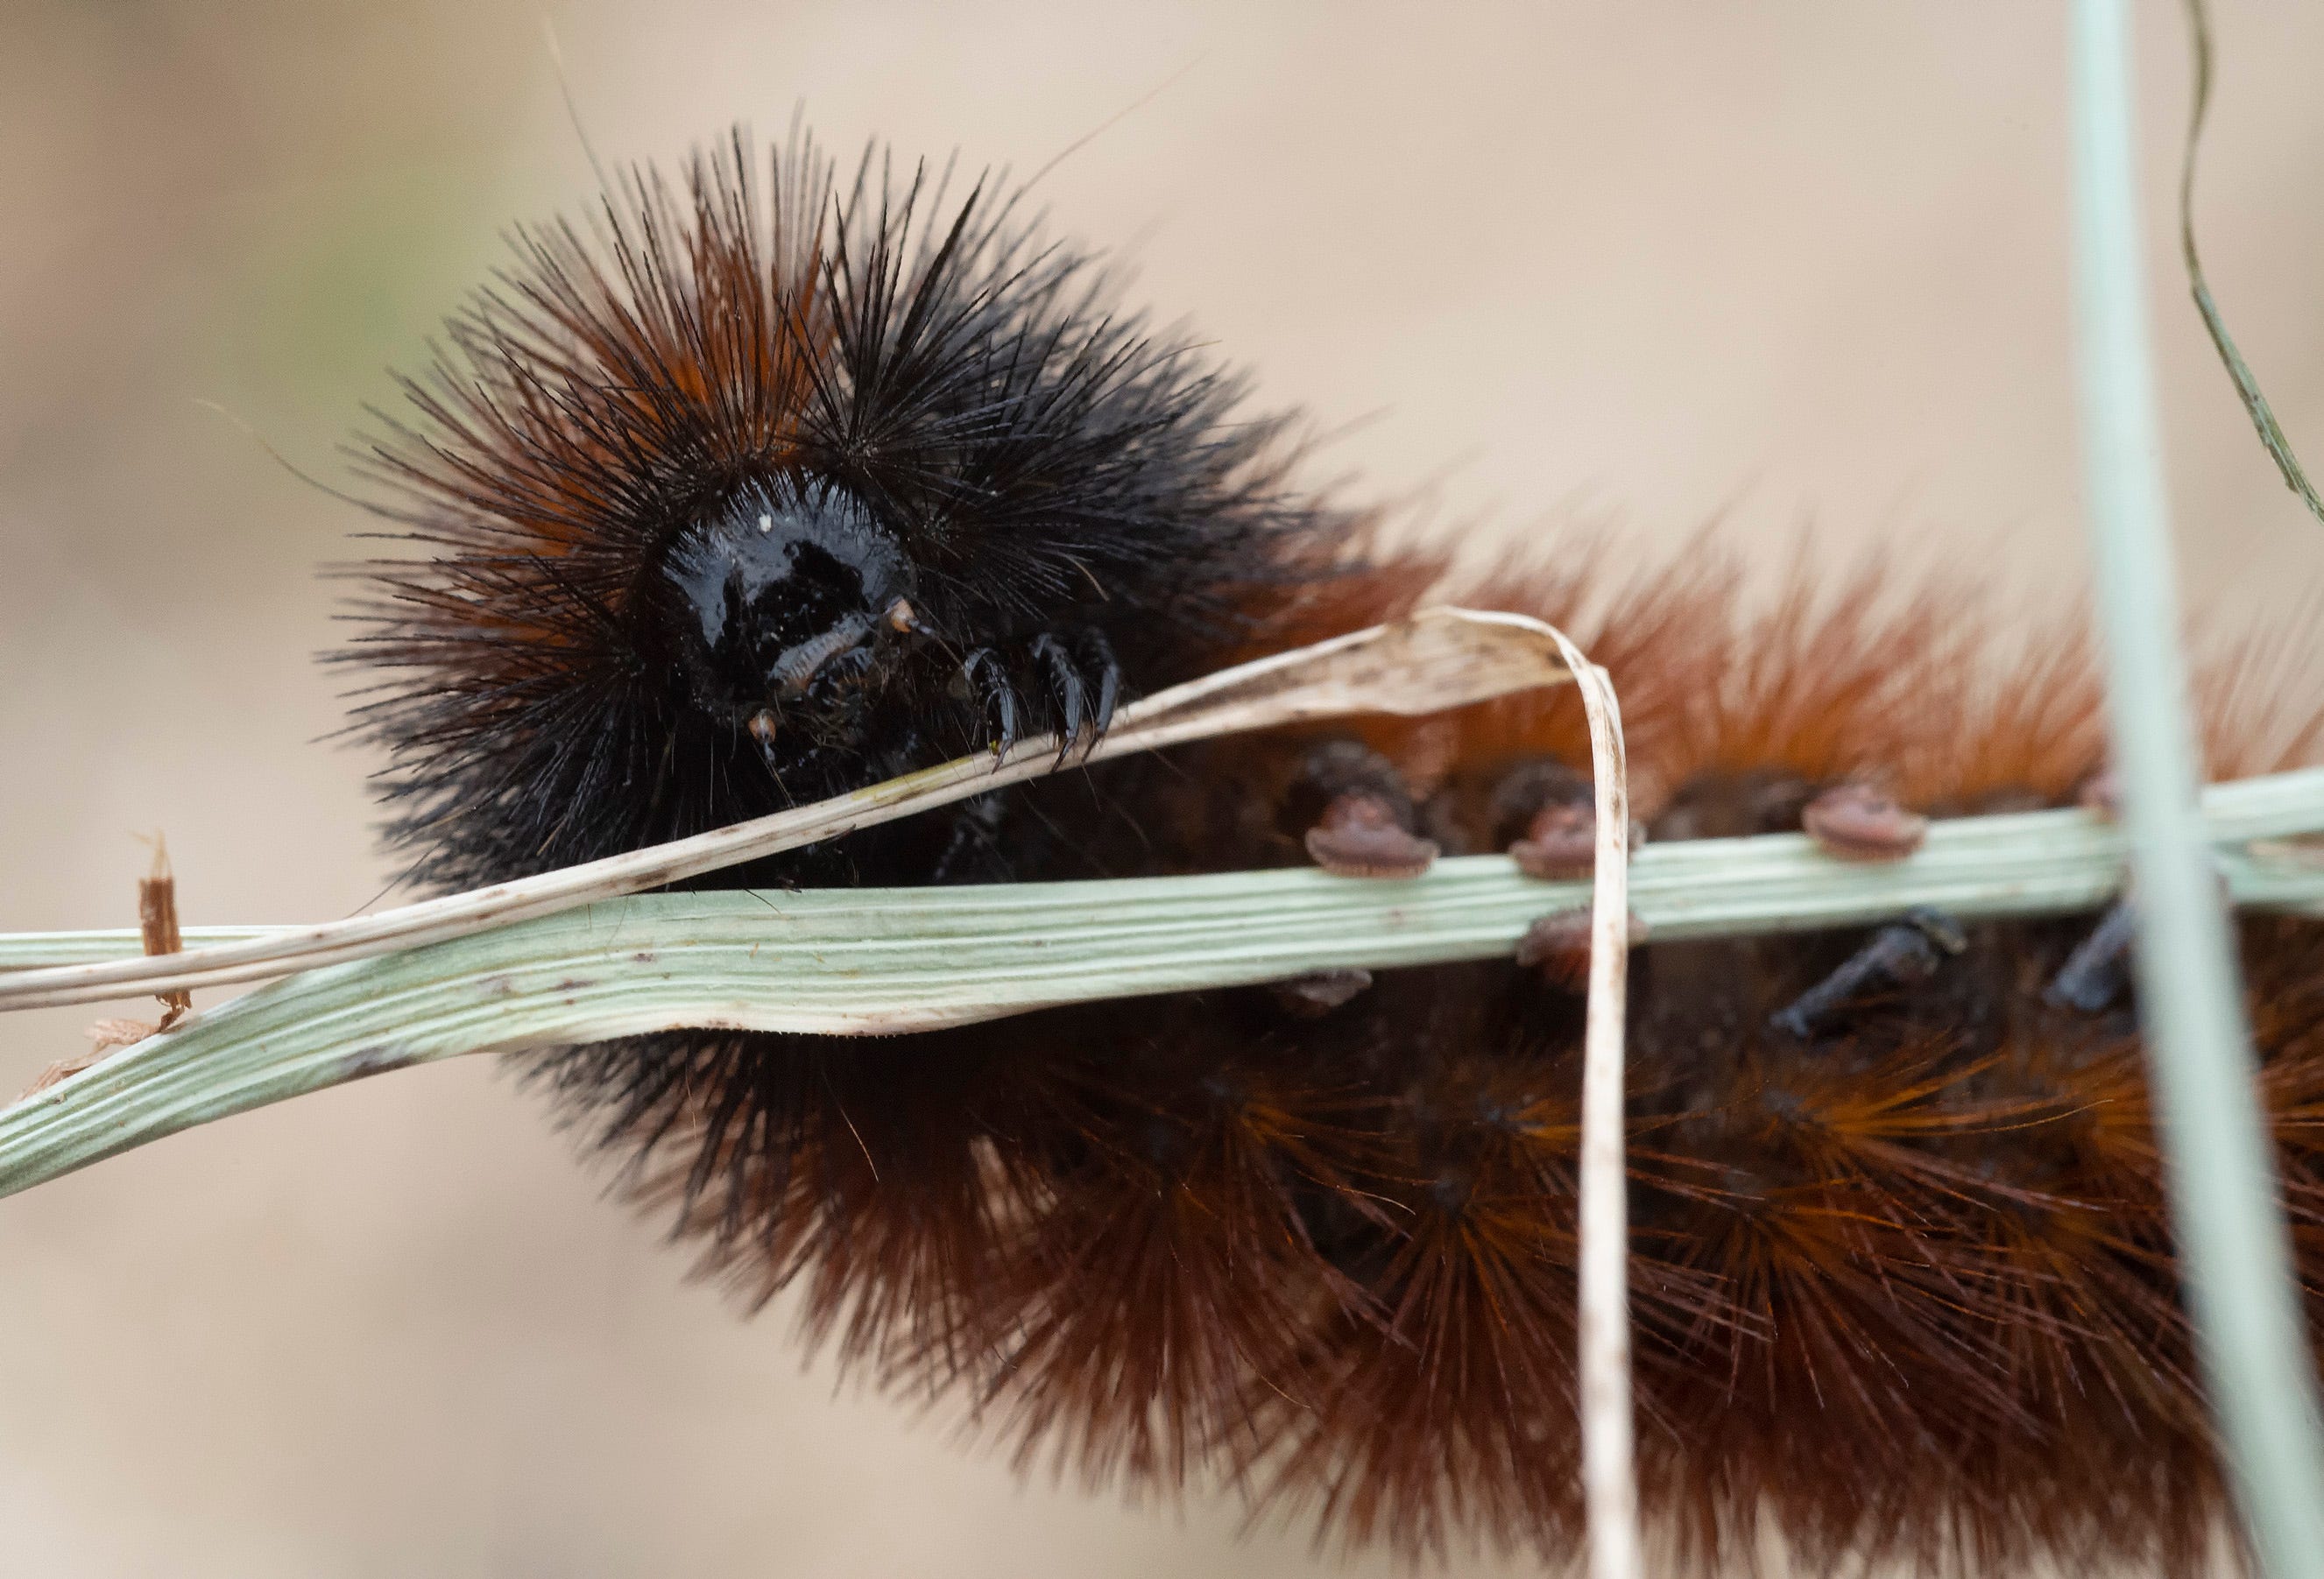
(747, 508)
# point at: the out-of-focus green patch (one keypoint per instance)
(339, 281)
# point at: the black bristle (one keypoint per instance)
(752, 496)
(1076, 507)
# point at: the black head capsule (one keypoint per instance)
(777, 603)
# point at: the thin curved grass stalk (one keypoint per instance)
(1609, 1471)
(2263, 415)
(1437, 659)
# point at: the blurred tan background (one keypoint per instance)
(1793, 262)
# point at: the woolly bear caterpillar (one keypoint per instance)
(770, 487)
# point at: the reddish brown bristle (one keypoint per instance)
(1903, 1279)
(1905, 1290)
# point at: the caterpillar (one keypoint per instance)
(775, 483)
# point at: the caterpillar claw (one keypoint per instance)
(1081, 682)
(995, 696)
(1097, 660)
(1067, 695)
(1065, 681)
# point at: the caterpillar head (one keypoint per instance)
(767, 487)
(784, 606)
